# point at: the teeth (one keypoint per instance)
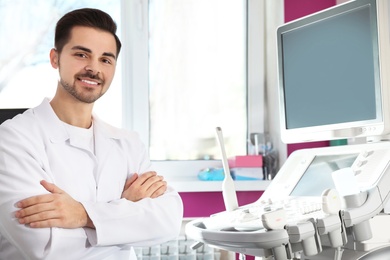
(89, 82)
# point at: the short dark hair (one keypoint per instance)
(88, 17)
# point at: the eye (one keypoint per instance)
(107, 61)
(81, 55)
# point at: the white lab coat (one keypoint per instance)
(36, 146)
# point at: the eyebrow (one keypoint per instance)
(78, 47)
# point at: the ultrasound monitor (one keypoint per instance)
(321, 168)
(334, 69)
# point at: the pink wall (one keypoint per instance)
(294, 9)
(203, 204)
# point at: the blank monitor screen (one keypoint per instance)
(321, 168)
(325, 69)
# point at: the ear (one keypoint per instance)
(54, 58)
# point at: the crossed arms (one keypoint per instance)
(59, 209)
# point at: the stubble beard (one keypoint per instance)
(88, 97)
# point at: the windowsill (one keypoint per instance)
(193, 184)
(182, 176)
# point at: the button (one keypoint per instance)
(359, 163)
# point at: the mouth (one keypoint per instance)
(90, 82)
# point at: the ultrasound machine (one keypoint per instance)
(328, 202)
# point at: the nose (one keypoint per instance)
(92, 69)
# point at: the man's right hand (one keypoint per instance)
(147, 185)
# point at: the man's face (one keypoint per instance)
(87, 63)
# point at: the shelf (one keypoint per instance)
(182, 176)
(193, 184)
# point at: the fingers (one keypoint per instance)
(40, 198)
(56, 209)
(52, 210)
(147, 185)
(153, 183)
(36, 214)
(36, 209)
(160, 190)
(147, 180)
(35, 200)
(130, 181)
(52, 188)
(146, 176)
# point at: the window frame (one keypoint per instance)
(135, 92)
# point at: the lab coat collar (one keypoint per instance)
(56, 129)
(53, 126)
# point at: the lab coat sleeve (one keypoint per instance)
(142, 223)
(20, 174)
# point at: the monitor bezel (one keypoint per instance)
(379, 13)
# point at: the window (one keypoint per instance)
(189, 61)
(197, 77)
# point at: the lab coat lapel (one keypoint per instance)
(53, 126)
(103, 140)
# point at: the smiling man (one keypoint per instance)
(72, 186)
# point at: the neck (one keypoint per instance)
(73, 113)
